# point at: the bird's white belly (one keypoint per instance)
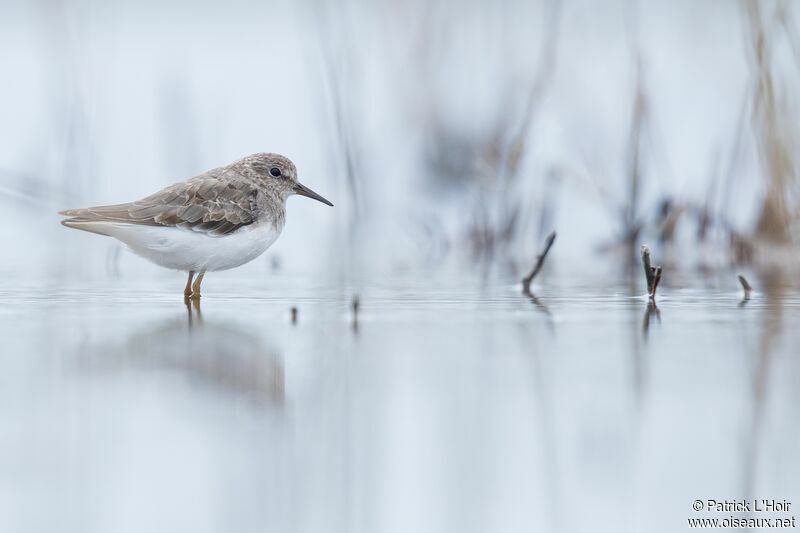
(184, 249)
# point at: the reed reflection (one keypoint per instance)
(774, 289)
(651, 314)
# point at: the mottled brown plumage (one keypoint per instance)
(216, 202)
(218, 220)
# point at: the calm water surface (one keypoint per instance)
(454, 406)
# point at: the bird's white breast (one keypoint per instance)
(185, 249)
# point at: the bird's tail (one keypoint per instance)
(100, 227)
(87, 219)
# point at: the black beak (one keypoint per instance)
(302, 190)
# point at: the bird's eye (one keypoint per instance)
(275, 171)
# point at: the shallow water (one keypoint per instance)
(457, 407)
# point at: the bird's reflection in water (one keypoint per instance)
(193, 304)
(227, 357)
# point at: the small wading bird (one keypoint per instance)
(218, 220)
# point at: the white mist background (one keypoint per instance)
(105, 102)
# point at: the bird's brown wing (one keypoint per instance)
(207, 203)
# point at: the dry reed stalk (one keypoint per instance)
(773, 129)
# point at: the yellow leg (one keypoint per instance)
(196, 286)
(188, 290)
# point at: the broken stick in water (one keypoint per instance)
(746, 286)
(653, 274)
(526, 282)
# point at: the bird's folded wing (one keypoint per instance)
(206, 204)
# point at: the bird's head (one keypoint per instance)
(280, 175)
